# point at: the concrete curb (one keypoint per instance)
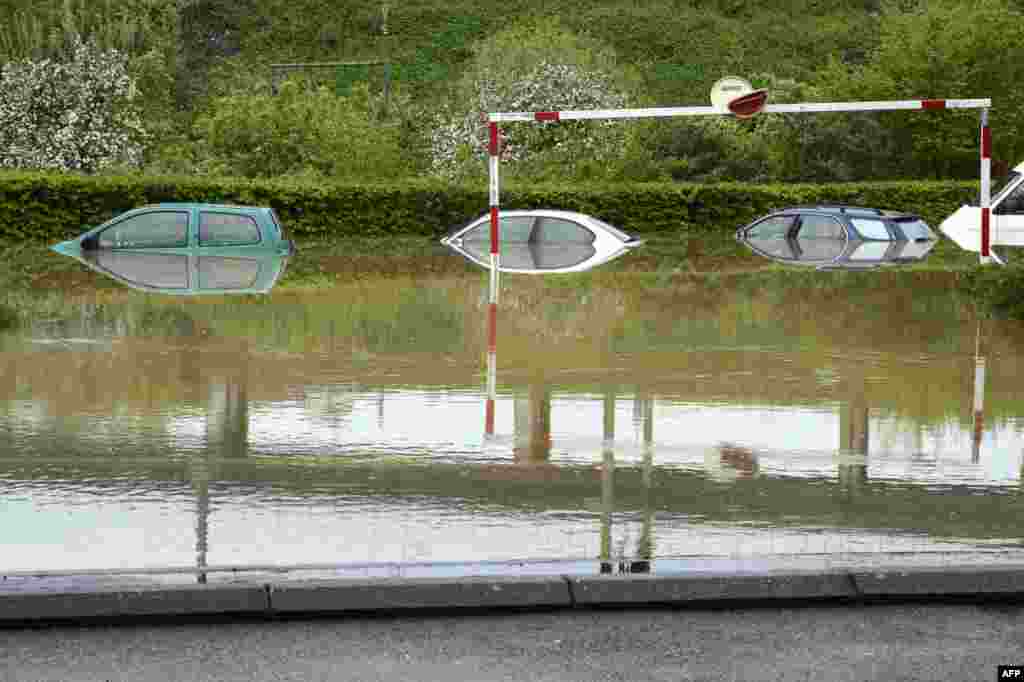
(35, 601)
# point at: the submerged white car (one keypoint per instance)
(541, 241)
(1006, 222)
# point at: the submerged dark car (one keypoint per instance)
(834, 236)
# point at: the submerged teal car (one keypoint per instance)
(187, 248)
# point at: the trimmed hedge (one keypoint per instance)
(48, 206)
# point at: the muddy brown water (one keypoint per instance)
(631, 421)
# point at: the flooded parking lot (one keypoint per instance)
(349, 424)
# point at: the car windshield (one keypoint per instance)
(1001, 186)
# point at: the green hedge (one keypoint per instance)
(42, 206)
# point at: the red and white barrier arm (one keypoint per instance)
(805, 107)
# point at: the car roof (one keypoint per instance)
(536, 212)
(200, 205)
(848, 210)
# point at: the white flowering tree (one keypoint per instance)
(75, 113)
(535, 67)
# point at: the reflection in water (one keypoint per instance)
(240, 270)
(349, 441)
(841, 253)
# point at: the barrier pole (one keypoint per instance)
(986, 189)
(492, 172)
(979, 397)
(492, 371)
(492, 305)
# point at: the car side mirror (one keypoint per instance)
(91, 243)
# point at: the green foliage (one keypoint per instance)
(943, 49)
(298, 132)
(999, 290)
(534, 65)
(36, 206)
(8, 317)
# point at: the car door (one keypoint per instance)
(229, 248)
(821, 238)
(146, 250)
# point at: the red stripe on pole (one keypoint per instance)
(546, 116)
(492, 328)
(494, 229)
(986, 142)
(985, 218)
(492, 146)
(933, 104)
(979, 426)
(489, 417)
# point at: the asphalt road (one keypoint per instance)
(902, 642)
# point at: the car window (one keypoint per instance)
(548, 256)
(514, 255)
(873, 250)
(227, 273)
(871, 229)
(159, 270)
(218, 229)
(820, 227)
(915, 229)
(774, 247)
(816, 249)
(510, 229)
(775, 227)
(155, 229)
(561, 231)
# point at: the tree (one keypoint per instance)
(536, 65)
(943, 49)
(75, 112)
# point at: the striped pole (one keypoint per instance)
(492, 172)
(986, 185)
(492, 306)
(979, 397)
(492, 361)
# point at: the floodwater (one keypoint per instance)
(630, 421)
